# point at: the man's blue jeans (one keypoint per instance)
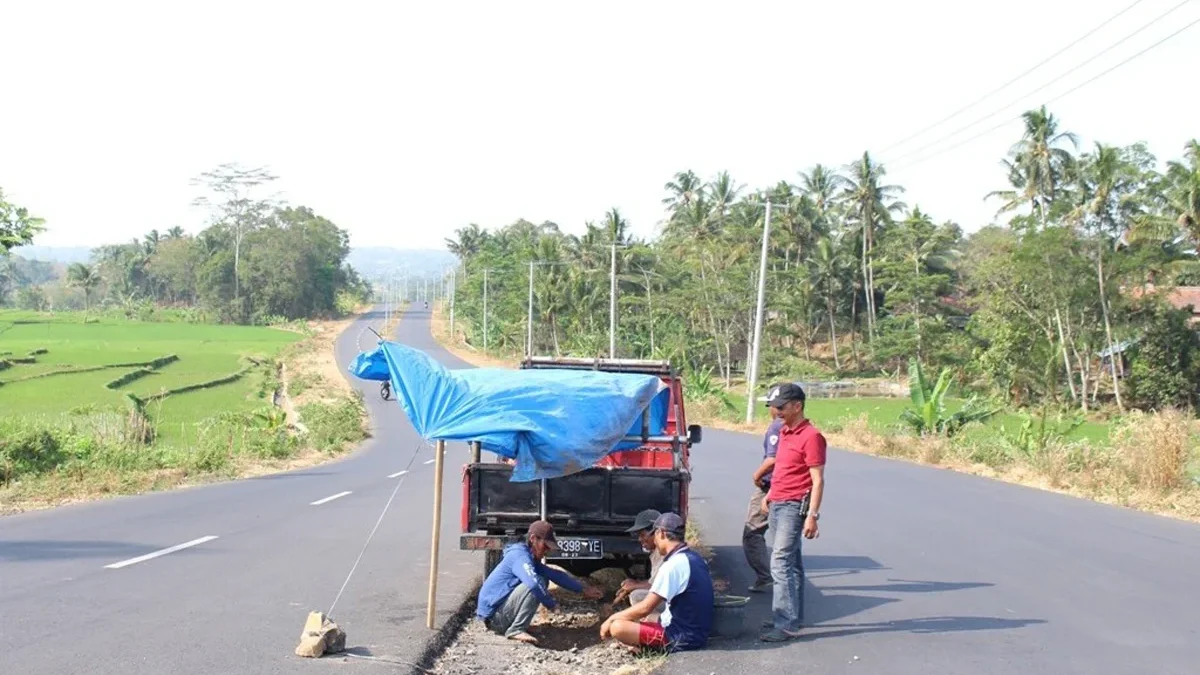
(786, 521)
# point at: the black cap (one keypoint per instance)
(783, 393)
(644, 521)
(671, 522)
(544, 531)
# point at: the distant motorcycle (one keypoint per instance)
(427, 305)
(385, 390)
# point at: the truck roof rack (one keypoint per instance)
(644, 366)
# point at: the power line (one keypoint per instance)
(1054, 98)
(1106, 50)
(1004, 86)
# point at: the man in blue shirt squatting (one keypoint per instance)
(509, 597)
(754, 541)
(683, 582)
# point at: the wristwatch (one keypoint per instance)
(814, 516)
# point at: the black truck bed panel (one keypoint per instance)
(594, 501)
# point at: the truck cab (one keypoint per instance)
(590, 509)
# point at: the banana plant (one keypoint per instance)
(928, 414)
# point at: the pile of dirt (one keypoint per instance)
(568, 644)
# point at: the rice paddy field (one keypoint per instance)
(54, 365)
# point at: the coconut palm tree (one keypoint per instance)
(828, 263)
(822, 185)
(1111, 199)
(1183, 191)
(722, 192)
(85, 277)
(685, 190)
(871, 204)
(467, 242)
(1038, 165)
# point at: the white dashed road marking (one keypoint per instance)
(329, 498)
(397, 474)
(429, 461)
(150, 556)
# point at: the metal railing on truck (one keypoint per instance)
(642, 366)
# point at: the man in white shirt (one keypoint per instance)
(684, 583)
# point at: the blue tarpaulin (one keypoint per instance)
(553, 422)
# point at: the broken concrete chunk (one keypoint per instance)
(320, 636)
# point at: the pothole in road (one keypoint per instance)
(568, 643)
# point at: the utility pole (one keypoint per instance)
(612, 305)
(453, 292)
(485, 312)
(529, 319)
(758, 317)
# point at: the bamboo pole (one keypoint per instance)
(440, 451)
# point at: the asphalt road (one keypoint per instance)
(237, 603)
(918, 570)
(921, 570)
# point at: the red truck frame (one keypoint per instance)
(590, 509)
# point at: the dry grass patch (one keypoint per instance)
(1148, 466)
(440, 327)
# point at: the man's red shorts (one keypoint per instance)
(652, 634)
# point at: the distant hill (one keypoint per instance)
(62, 254)
(374, 262)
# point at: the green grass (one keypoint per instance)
(205, 352)
(883, 414)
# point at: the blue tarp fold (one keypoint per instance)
(552, 422)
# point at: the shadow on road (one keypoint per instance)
(827, 607)
(27, 551)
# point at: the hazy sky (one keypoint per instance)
(402, 122)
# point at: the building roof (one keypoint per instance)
(1182, 296)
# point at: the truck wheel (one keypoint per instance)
(490, 560)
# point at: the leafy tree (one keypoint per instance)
(916, 272)
(1165, 362)
(17, 227)
(234, 206)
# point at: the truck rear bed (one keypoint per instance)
(590, 510)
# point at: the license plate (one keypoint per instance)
(569, 547)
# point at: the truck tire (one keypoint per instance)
(490, 560)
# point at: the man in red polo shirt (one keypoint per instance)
(794, 503)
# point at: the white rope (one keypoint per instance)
(374, 529)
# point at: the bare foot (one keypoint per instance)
(524, 637)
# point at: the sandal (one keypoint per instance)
(776, 635)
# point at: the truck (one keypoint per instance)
(592, 508)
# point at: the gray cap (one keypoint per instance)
(671, 522)
(644, 521)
